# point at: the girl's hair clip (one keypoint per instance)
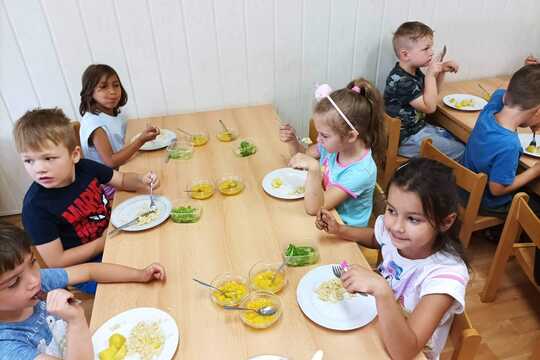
(324, 91)
(356, 89)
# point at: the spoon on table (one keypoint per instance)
(185, 132)
(264, 311)
(224, 127)
(211, 287)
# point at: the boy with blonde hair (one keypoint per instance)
(32, 328)
(65, 210)
(494, 148)
(410, 95)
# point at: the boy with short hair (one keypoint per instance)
(65, 210)
(494, 147)
(410, 95)
(34, 329)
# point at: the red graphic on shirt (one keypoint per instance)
(89, 214)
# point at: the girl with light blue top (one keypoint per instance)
(350, 143)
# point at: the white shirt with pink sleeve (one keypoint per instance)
(410, 280)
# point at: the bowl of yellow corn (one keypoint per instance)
(231, 185)
(265, 276)
(255, 301)
(201, 189)
(233, 288)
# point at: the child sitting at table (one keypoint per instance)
(65, 210)
(350, 141)
(494, 148)
(423, 274)
(410, 95)
(31, 328)
(103, 128)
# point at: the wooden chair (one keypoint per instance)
(464, 338)
(520, 217)
(312, 131)
(393, 159)
(469, 181)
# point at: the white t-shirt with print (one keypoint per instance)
(410, 280)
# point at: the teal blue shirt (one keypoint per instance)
(357, 179)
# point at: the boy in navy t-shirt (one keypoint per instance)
(65, 210)
(31, 328)
(493, 147)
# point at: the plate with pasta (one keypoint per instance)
(325, 302)
(137, 334)
(139, 207)
(285, 183)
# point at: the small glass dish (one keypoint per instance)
(264, 276)
(245, 148)
(300, 255)
(227, 136)
(186, 212)
(181, 150)
(199, 138)
(201, 189)
(234, 286)
(255, 301)
(231, 185)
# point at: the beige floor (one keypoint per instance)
(511, 324)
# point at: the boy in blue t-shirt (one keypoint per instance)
(31, 328)
(494, 148)
(65, 210)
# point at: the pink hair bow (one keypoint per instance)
(324, 91)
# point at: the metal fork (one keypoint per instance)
(338, 271)
(153, 206)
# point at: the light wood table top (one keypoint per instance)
(461, 123)
(233, 233)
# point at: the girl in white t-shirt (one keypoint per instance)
(423, 276)
(103, 128)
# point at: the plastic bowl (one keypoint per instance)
(311, 256)
(234, 286)
(231, 185)
(257, 300)
(202, 189)
(225, 136)
(199, 138)
(186, 212)
(263, 277)
(181, 150)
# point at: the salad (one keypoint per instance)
(185, 214)
(300, 255)
(245, 149)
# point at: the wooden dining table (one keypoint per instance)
(461, 123)
(233, 233)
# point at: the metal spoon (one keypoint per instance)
(264, 311)
(185, 132)
(224, 127)
(211, 287)
(285, 258)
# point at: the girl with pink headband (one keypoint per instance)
(342, 166)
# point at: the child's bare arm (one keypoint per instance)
(133, 181)
(113, 273)
(105, 151)
(54, 254)
(364, 236)
(427, 103)
(519, 181)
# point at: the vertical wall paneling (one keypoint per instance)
(178, 56)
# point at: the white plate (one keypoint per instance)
(129, 209)
(267, 357)
(124, 322)
(348, 314)
(478, 102)
(163, 140)
(525, 140)
(291, 178)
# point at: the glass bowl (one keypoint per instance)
(245, 148)
(257, 300)
(199, 138)
(300, 255)
(231, 185)
(186, 212)
(264, 276)
(180, 150)
(225, 136)
(201, 189)
(234, 286)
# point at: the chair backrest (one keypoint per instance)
(312, 132)
(392, 159)
(520, 218)
(464, 337)
(467, 180)
(76, 128)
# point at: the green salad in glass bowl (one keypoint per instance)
(300, 255)
(186, 214)
(245, 148)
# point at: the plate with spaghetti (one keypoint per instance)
(324, 301)
(139, 333)
(138, 207)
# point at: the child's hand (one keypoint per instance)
(57, 304)
(150, 133)
(287, 133)
(151, 178)
(360, 279)
(152, 272)
(326, 222)
(530, 60)
(304, 162)
(450, 66)
(435, 67)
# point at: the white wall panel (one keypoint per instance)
(176, 56)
